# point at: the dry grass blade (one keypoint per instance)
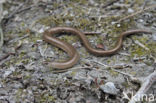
(136, 13)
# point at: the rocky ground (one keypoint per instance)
(25, 76)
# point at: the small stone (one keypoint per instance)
(118, 25)
(9, 71)
(109, 88)
(77, 44)
(122, 1)
(141, 20)
(130, 10)
(41, 30)
(2, 1)
(113, 22)
(18, 19)
(34, 55)
(154, 37)
(68, 23)
(81, 76)
(5, 12)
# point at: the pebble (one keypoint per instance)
(141, 20)
(154, 36)
(109, 88)
(34, 55)
(130, 10)
(2, 1)
(18, 19)
(9, 71)
(118, 25)
(113, 23)
(5, 12)
(41, 30)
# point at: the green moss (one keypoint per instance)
(16, 73)
(139, 2)
(27, 77)
(126, 84)
(48, 21)
(23, 32)
(124, 26)
(21, 60)
(152, 46)
(58, 50)
(51, 69)
(56, 5)
(133, 73)
(127, 1)
(22, 24)
(73, 73)
(113, 73)
(35, 39)
(99, 40)
(84, 53)
(34, 48)
(80, 1)
(137, 50)
(12, 61)
(70, 39)
(83, 23)
(90, 36)
(116, 29)
(47, 98)
(22, 53)
(18, 95)
(109, 60)
(80, 23)
(25, 61)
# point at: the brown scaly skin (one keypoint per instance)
(71, 51)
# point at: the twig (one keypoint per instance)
(136, 13)
(1, 31)
(146, 84)
(5, 19)
(91, 33)
(11, 53)
(65, 70)
(5, 56)
(120, 66)
(42, 51)
(145, 3)
(110, 3)
(17, 39)
(100, 63)
(1, 36)
(141, 45)
(18, 10)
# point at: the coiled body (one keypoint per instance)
(71, 51)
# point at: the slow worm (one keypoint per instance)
(49, 37)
